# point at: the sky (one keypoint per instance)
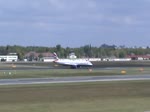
(74, 23)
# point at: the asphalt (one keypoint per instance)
(73, 79)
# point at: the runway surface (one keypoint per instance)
(73, 79)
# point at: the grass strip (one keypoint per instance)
(128, 96)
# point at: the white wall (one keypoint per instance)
(9, 58)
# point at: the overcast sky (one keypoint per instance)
(75, 23)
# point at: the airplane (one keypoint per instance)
(74, 64)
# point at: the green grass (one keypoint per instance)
(69, 72)
(127, 96)
(13, 72)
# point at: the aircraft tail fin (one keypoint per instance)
(55, 55)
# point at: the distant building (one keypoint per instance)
(9, 58)
(34, 56)
(139, 57)
(72, 56)
(47, 59)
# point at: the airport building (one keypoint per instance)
(34, 56)
(8, 58)
(139, 57)
(72, 56)
(47, 59)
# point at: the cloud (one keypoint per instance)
(65, 18)
(68, 12)
(123, 20)
(58, 4)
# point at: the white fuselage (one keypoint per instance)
(74, 63)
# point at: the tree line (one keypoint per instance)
(87, 51)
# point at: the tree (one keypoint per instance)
(122, 54)
(87, 50)
(40, 56)
(58, 47)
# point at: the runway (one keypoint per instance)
(73, 79)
